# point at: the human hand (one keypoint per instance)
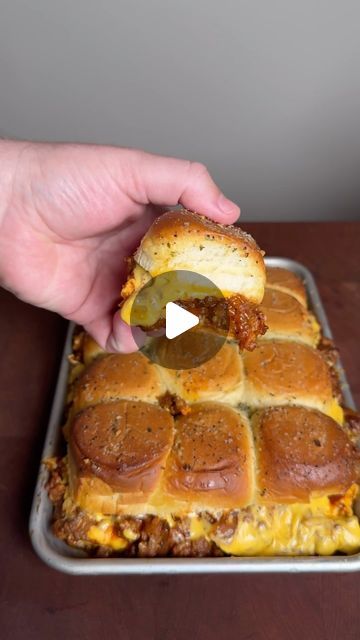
(71, 214)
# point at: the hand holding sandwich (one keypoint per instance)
(71, 214)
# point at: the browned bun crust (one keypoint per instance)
(287, 319)
(229, 261)
(184, 222)
(282, 372)
(300, 453)
(122, 443)
(116, 376)
(286, 281)
(211, 462)
(90, 349)
(219, 378)
(185, 240)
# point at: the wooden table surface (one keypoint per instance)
(38, 602)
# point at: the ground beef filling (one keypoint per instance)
(240, 319)
(149, 536)
(351, 418)
(174, 404)
(153, 537)
(330, 355)
(76, 357)
(157, 539)
(352, 425)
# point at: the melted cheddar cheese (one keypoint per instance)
(151, 306)
(103, 534)
(138, 279)
(321, 527)
(317, 527)
(334, 411)
(316, 329)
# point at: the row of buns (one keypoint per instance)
(277, 372)
(285, 381)
(252, 438)
(131, 457)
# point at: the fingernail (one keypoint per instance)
(112, 345)
(226, 205)
(125, 341)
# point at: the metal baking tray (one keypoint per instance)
(62, 557)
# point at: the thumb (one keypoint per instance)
(114, 335)
(123, 338)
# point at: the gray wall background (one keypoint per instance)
(266, 93)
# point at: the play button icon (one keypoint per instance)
(172, 310)
(178, 320)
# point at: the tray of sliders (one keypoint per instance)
(247, 462)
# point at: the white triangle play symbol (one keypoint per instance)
(178, 320)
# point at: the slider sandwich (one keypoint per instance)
(288, 319)
(139, 482)
(248, 453)
(225, 472)
(285, 307)
(286, 281)
(281, 372)
(179, 242)
(220, 377)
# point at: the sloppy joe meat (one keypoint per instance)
(235, 316)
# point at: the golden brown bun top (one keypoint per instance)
(183, 222)
(188, 350)
(288, 369)
(282, 304)
(122, 442)
(221, 373)
(211, 459)
(287, 318)
(182, 240)
(301, 452)
(286, 281)
(117, 376)
(131, 457)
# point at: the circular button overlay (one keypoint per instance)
(186, 333)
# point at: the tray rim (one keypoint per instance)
(48, 548)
